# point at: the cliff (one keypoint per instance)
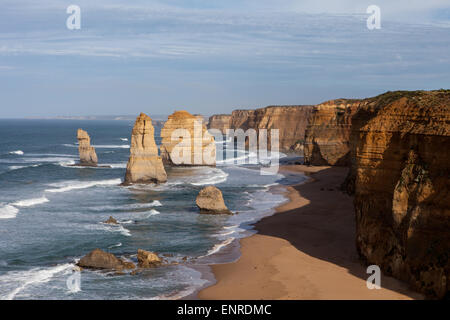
(327, 137)
(400, 147)
(144, 164)
(221, 122)
(191, 143)
(88, 157)
(291, 121)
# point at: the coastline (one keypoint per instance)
(306, 250)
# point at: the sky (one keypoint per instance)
(213, 56)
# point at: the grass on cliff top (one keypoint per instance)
(391, 96)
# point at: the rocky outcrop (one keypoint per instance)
(99, 259)
(144, 164)
(221, 122)
(291, 121)
(400, 146)
(194, 146)
(111, 220)
(210, 200)
(327, 137)
(88, 157)
(147, 259)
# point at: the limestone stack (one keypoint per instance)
(186, 141)
(210, 200)
(144, 164)
(327, 136)
(88, 157)
(400, 146)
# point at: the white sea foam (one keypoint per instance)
(110, 146)
(217, 247)
(126, 222)
(102, 146)
(124, 139)
(14, 282)
(115, 245)
(30, 202)
(17, 152)
(126, 207)
(154, 212)
(12, 168)
(110, 228)
(217, 176)
(76, 185)
(8, 211)
(117, 165)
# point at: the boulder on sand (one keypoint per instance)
(147, 259)
(210, 200)
(99, 259)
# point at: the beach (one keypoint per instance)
(306, 250)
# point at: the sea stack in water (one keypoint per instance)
(210, 200)
(186, 141)
(144, 165)
(88, 157)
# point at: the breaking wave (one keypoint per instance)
(76, 185)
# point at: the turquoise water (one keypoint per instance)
(51, 214)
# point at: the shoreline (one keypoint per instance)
(305, 250)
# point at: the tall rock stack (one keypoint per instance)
(401, 175)
(327, 137)
(195, 147)
(144, 164)
(88, 157)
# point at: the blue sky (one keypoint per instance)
(210, 56)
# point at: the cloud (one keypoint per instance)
(241, 48)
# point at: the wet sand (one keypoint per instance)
(306, 250)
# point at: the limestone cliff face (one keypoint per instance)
(221, 122)
(327, 137)
(88, 157)
(400, 146)
(191, 143)
(144, 164)
(291, 121)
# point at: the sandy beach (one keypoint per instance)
(306, 250)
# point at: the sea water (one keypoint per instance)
(52, 213)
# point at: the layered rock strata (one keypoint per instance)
(88, 157)
(144, 164)
(291, 121)
(400, 147)
(221, 122)
(186, 141)
(327, 137)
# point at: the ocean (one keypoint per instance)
(52, 213)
